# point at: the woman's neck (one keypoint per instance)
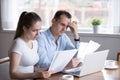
(27, 41)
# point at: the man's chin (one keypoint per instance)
(61, 33)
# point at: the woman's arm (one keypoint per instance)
(15, 74)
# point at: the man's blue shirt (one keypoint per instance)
(47, 47)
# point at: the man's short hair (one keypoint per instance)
(62, 12)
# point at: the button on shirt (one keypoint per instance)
(47, 47)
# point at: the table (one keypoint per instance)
(105, 74)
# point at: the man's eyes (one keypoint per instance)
(35, 30)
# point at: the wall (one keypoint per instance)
(107, 41)
(5, 42)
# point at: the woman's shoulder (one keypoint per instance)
(17, 46)
(18, 41)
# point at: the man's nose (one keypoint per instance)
(64, 28)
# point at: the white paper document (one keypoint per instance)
(61, 59)
(87, 48)
(83, 46)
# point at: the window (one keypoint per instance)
(82, 11)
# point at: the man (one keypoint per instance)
(54, 39)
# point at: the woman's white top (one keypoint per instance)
(29, 57)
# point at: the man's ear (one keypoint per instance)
(53, 20)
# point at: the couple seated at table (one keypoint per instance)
(23, 58)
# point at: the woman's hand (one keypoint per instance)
(46, 74)
(43, 74)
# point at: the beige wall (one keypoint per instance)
(5, 42)
(107, 41)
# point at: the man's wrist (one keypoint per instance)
(78, 39)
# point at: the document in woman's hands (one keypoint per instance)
(61, 59)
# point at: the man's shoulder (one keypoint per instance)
(64, 35)
(45, 32)
(42, 35)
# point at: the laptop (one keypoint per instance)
(93, 62)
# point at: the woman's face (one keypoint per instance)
(33, 31)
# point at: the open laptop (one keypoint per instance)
(93, 62)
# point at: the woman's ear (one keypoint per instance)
(24, 28)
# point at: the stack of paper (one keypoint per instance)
(87, 48)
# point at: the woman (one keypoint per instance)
(23, 52)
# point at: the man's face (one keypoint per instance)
(60, 25)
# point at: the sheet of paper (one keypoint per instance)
(81, 49)
(92, 47)
(61, 60)
(87, 48)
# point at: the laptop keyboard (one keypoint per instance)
(72, 70)
(77, 73)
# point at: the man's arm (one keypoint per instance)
(73, 27)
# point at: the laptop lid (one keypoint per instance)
(93, 62)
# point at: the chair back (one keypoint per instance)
(4, 69)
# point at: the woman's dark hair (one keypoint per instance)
(62, 12)
(27, 19)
